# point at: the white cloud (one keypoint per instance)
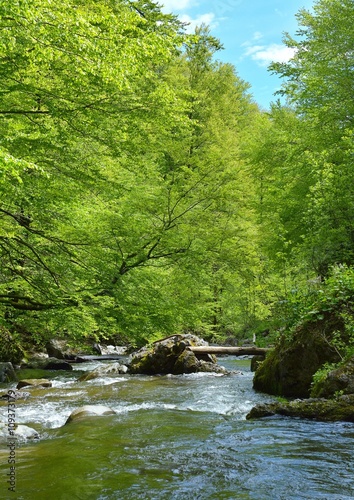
(264, 55)
(257, 35)
(208, 19)
(172, 5)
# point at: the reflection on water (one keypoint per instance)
(176, 437)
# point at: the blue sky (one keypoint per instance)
(251, 32)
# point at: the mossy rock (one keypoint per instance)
(325, 410)
(171, 355)
(288, 369)
(339, 380)
(7, 373)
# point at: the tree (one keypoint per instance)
(319, 85)
(80, 90)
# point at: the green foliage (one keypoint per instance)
(128, 216)
(10, 347)
(322, 373)
(143, 193)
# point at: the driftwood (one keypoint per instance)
(236, 351)
(96, 357)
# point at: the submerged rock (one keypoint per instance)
(327, 410)
(104, 371)
(171, 355)
(14, 395)
(89, 411)
(34, 382)
(20, 432)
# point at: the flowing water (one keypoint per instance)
(173, 437)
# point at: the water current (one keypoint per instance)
(173, 438)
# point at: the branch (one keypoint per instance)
(23, 112)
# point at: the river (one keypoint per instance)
(174, 438)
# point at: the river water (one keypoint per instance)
(173, 438)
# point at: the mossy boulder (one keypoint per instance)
(288, 369)
(7, 373)
(59, 349)
(326, 410)
(339, 380)
(171, 355)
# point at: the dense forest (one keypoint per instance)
(143, 191)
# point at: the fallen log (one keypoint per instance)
(95, 357)
(236, 351)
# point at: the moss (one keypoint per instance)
(288, 370)
(338, 380)
(29, 373)
(326, 410)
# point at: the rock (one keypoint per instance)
(56, 364)
(14, 395)
(104, 371)
(20, 432)
(111, 349)
(326, 410)
(89, 411)
(34, 382)
(340, 380)
(256, 361)
(171, 355)
(7, 373)
(49, 364)
(289, 368)
(59, 349)
(24, 432)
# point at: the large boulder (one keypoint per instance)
(7, 373)
(171, 355)
(337, 381)
(327, 410)
(48, 364)
(89, 411)
(288, 369)
(58, 348)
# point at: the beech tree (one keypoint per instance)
(121, 192)
(319, 85)
(80, 90)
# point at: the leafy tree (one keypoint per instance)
(123, 191)
(319, 85)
